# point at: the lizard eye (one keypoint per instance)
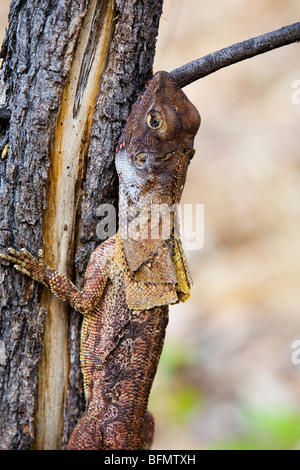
(154, 120)
(141, 159)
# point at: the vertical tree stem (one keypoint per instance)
(67, 157)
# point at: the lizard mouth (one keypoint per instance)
(175, 153)
(184, 159)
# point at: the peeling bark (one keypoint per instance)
(67, 155)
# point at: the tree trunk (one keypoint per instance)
(71, 70)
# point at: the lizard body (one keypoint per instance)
(131, 277)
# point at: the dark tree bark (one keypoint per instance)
(55, 171)
(37, 52)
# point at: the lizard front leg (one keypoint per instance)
(62, 287)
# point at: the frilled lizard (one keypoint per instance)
(132, 277)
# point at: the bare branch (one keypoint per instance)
(210, 63)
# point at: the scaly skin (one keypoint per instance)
(130, 279)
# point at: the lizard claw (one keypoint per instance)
(7, 257)
(22, 270)
(41, 256)
(26, 255)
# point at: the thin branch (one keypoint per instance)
(210, 63)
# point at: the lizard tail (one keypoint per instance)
(86, 435)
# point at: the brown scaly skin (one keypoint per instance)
(130, 280)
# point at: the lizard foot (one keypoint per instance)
(26, 263)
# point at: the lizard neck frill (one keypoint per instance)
(155, 269)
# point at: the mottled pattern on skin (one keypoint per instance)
(130, 281)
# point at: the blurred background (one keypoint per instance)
(226, 379)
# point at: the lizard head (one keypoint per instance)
(156, 145)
